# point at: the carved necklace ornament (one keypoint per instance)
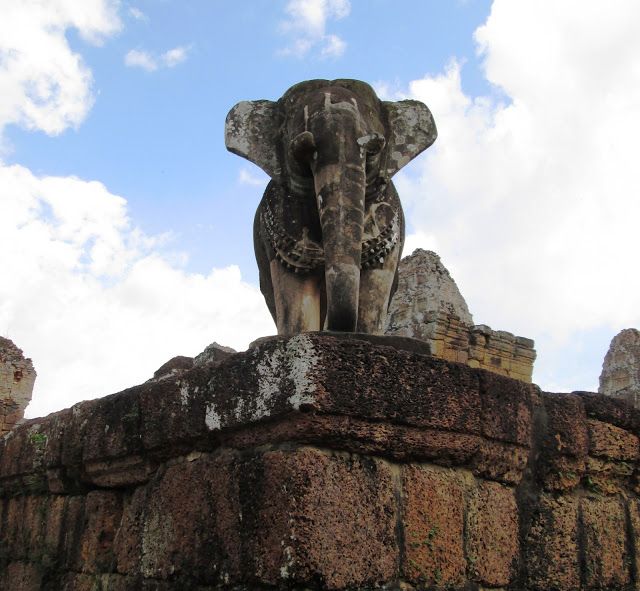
(296, 249)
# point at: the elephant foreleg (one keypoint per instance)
(297, 300)
(375, 293)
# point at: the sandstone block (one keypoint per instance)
(169, 530)
(633, 509)
(506, 409)
(346, 377)
(607, 476)
(310, 517)
(611, 410)
(21, 576)
(433, 515)
(173, 412)
(567, 425)
(606, 565)
(103, 512)
(609, 441)
(500, 461)
(492, 534)
(551, 546)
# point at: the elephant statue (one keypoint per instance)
(329, 230)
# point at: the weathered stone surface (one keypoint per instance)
(433, 514)
(335, 524)
(604, 525)
(609, 441)
(17, 377)
(567, 425)
(336, 376)
(213, 353)
(169, 529)
(428, 306)
(314, 477)
(551, 546)
(492, 541)
(326, 144)
(506, 409)
(425, 288)
(620, 375)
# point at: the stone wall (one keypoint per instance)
(429, 306)
(323, 463)
(17, 377)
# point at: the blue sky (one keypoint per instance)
(128, 226)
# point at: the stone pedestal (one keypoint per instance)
(322, 463)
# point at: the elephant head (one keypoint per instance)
(331, 146)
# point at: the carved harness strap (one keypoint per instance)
(291, 228)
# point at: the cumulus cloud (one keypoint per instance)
(136, 58)
(306, 25)
(45, 85)
(531, 193)
(91, 298)
(95, 302)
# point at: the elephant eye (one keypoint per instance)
(303, 146)
(372, 143)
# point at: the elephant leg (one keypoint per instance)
(297, 300)
(375, 292)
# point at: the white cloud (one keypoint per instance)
(136, 58)
(137, 14)
(174, 56)
(333, 46)
(45, 85)
(306, 24)
(93, 301)
(533, 198)
(140, 59)
(86, 294)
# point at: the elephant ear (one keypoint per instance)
(411, 131)
(252, 130)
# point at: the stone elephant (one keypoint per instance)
(329, 230)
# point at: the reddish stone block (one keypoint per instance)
(492, 534)
(51, 540)
(551, 545)
(633, 511)
(433, 516)
(608, 477)
(317, 518)
(506, 408)
(604, 527)
(500, 461)
(611, 410)
(184, 522)
(21, 576)
(128, 539)
(561, 473)
(342, 377)
(567, 425)
(72, 530)
(173, 413)
(397, 442)
(114, 430)
(102, 516)
(608, 441)
(14, 534)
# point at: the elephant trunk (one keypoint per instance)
(340, 191)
